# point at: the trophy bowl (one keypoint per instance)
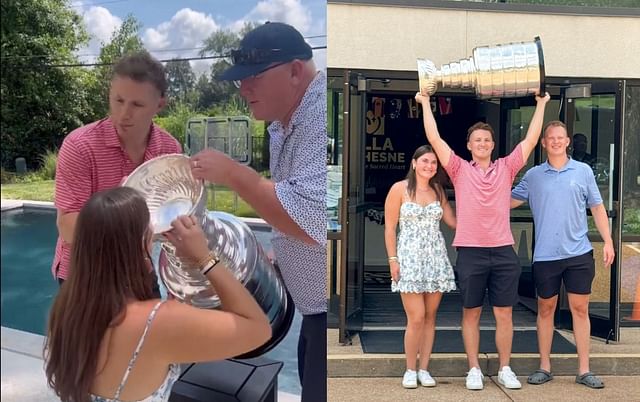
(169, 189)
(498, 71)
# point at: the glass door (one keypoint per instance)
(594, 126)
(516, 114)
(352, 252)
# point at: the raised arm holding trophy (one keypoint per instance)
(486, 258)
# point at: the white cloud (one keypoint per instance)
(100, 24)
(186, 30)
(291, 12)
(294, 13)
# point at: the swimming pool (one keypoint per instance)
(28, 237)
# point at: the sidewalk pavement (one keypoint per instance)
(562, 388)
(613, 359)
(357, 376)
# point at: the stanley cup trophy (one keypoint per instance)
(500, 71)
(170, 191)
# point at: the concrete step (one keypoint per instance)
(455, 364)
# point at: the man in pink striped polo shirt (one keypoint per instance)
(99, 155)
(486, 259)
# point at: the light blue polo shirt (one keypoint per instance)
(558, 200)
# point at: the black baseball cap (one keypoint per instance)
(269, 43)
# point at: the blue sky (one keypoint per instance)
(176, 28)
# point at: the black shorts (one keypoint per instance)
(577, 273)
(494, 268)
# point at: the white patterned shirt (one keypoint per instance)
(298, 169)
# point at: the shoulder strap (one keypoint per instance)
(135, 353)
(405, 195)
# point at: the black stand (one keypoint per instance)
(250, 380)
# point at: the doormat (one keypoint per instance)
(450, 341)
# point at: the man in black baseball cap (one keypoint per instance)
(277, 77)
(273, 42)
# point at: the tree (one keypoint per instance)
(40, 103)
(123, 41)
(204, 93)
(220, 43)
(181, 79)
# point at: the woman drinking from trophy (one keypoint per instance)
(109, 338)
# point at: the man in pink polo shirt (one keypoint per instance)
(486, 259)
(99, 155)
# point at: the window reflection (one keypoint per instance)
(630, 250)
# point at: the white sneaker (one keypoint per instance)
(425, 379)
(474, 379)
(508, 378)
(410, 379)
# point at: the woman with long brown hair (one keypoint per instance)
(418, 261)
(109, 338)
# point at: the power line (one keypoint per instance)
(97, 4)
(162, 61)
(150, 51)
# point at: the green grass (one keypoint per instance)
(34, 191)
(226, 200)
(43, 191)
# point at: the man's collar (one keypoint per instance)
(571, 164)
(315, 87)
(112, 140)
(476, 164)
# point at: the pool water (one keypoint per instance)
(28, 288)
(28, 238)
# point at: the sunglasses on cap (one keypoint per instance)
(254, 56)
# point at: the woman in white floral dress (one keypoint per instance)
(420, 268)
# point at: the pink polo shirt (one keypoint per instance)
(483, 200)
(91, 159)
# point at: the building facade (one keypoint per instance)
(592, 72)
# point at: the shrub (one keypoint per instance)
(13, 178)
(175, 122)
(6, 176)
(48, 161)
(631, 221)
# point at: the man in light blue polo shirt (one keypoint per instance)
(559, 191)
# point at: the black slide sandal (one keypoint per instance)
(540, 376)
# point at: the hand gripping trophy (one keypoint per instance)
(499, 71)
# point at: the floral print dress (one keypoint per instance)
(422, 254)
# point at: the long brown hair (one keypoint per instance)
(108, 269)
(437, 182)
